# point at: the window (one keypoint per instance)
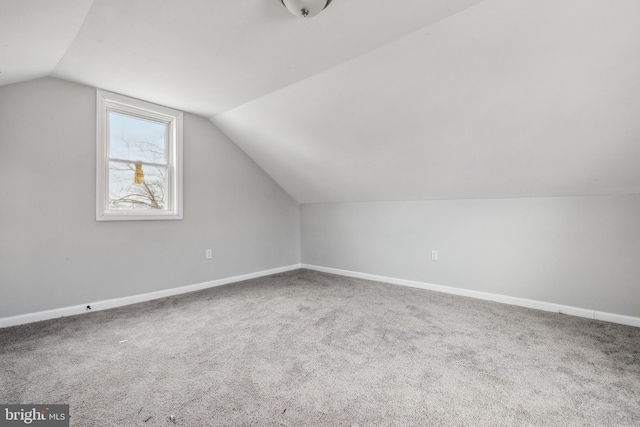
(139, 160)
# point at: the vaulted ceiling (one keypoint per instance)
(372, 99)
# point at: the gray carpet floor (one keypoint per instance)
(308, 348)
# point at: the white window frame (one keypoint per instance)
(111, 102)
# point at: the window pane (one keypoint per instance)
(149, 194)
(132, 138)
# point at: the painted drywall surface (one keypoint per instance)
(54, 254)
(543, 92)
(223, 53)
(53, 26)
(576, 251)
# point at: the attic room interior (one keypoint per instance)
(324, 213)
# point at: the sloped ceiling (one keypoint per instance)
(35, 34)
(372, 100)
(507, 99)
(209, 56)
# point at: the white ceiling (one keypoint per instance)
(34, 34)
(209, 56)
(371, 100)
(507, 99)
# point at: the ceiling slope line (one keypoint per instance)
(256, 164)
(80, 27)
(350, 60)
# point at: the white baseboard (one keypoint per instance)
(522, 302)
(119, 302)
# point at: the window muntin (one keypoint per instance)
(137, 138)
(139, 160)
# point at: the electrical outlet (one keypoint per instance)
(208, 254)
(434, 255)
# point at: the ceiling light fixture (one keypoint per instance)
(306, 8)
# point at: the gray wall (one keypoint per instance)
(54, 254)
(576, 251)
